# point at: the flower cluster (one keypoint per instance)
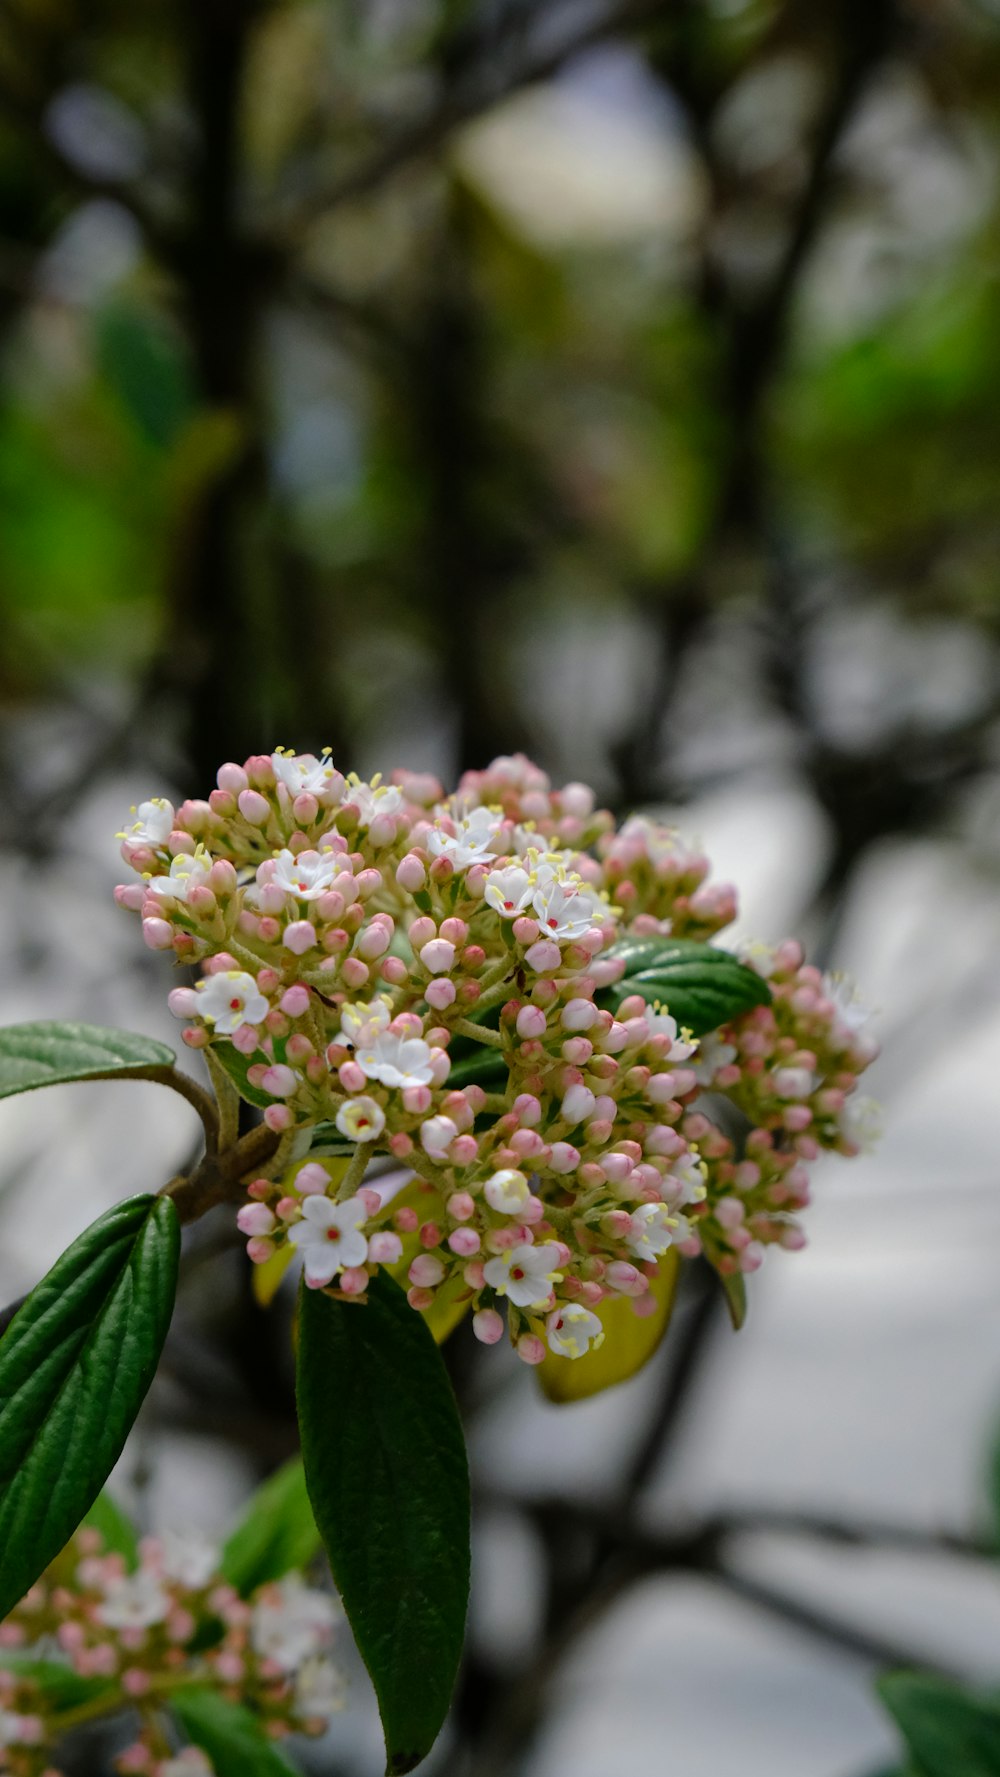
(425, 981)
(136, 1637)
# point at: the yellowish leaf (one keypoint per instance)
(629, 1342)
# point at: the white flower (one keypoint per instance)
(525, 1274)
(303, 773)
(565, 910)
(793, 1082)
(361, 1022)
(860, 1123)
(329, 1237)
(572, 1330)
(188, 1559)
(189, 1763)
(361, 1119)
(852, 1015)
(663, 845)
(713, 1054)
(319, 1689)
(654, 1228)
(395, 1060)
(507, 1192)
(133, 1601)
(686, 1179)
(374, 799)
(508, 891)
(469, 844)
(153, 824)
(662, 1025)
(291, 1622)
(229, 999)
(10, 1728)
(307, 876)
(187, 871)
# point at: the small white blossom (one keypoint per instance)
(307, 876)
(153, 824)
(329, 1237)
(188, 1559)
(133, 1601)
(372, 800)
(686, 1180)
(361, 1119)
(469, 844)
(303, 773)
(572, 1330)
(525, 1274)
(508, 891)
(852, 1015)
(396, 1060)
(662, 1025)
(10, 1728)
(361, 1022)
(187, 871)
(507, 1191)
(229, 999)
(189, 1763)
(713, 1054)
(860, 1123)
(319, 1690)
(291, 1622)
(564, 910)
(654, 1228)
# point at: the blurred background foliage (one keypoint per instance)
(429, 378)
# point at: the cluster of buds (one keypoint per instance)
(429, 976)
(144, 1635)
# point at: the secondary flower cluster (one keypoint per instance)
(427, 978)
(140, 1636)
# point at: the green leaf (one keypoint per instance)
(142, 359)
(735, 1291)
(230, 1736)
(949, 1732)
(64, 1688)
(48, 1054)
(700, 985)
(75, 1364)
(237, 1067)
(389, 1483)
(277, 1532)
(117, 1532)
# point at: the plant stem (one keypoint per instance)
(464, 1027)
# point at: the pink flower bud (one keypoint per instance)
(464, 1150)
(464, 1242)
(300, 936)
(530, 1349)
(487, 1325)
(278, 1117)
(426, 1271)
(438, 956)
(385, 1248)
(626, 1279)
(295, 1000)
(255, 1218)
(531, 1022)
(525, 929)
(374, 942)
(254, 807)
(440, 994)
(578, 1104)
(411, 874)
(259, 1250)
(563, 1157)
(232, 778)
(183, 1002)
(436, 1136)
(157, 934)
(354, 1280)
(354, 972)
(280, 1081)
(543, 956)
(417, 1100)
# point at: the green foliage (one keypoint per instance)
(237, 1067)
(701, 986)
(143, 362)
(276, 1533)
(75, 1365)
(49, 1053)
(115, 1530)
(231, 1738)
(64, 1688)
(735, 1291)
(949, 1731)
(388, 1479)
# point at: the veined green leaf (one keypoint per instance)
(276, 1533)
(388, 1479)
(231, 1737)
(701, 986)
(75, 1364)
(949, 1731)
(237, 1066)
(47, 1054)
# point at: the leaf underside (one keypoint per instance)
(75, 1365)
(388, 1479)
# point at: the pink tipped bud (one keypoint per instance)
(294, 1002)
(300, 936)
(254, 807)
(278, 1117)
(440, 994)
(626, 1279)
(352, 1077)
(525, 929)
(183, 1002)
(157, 934)
(417, 1100)
(279, 1081)
(530, 1349)
(487, 1325)
(438, 956)
(464, 1242)
(411, 874)
(355, 972)
(255, 1218)
(563, 1157)
(232, 778)
(406, 1220)
(464, 1150)
(544, 956)
(461, 1206)
(420, 1299)
(354, 1280)
(374, 941)
(531, 1022)
(385, 1249)
(578, 1104)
